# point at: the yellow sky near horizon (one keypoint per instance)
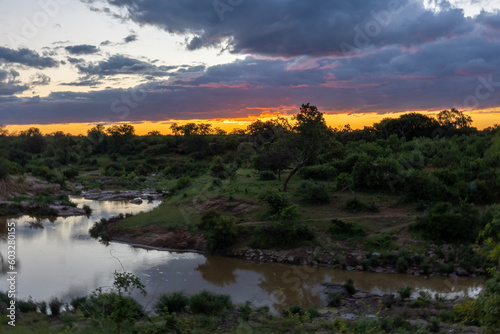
(481, 119)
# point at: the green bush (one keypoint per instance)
(349, 285)
(276, 202)
(221, 231)
(267, 175)
(209, 303)
(55, 306)
(5, 168)
(26, 306)
(449, 224)
(339, 229)
(318, 173)
(116, 170)
(172, 302)
(334, 299)
(402, 265)
(218, 168)
(404, 292)
(183, 183)
(281, 234)
(355, 205)
(71, 173)
(313, 193)
(101, 305)
(381, 242)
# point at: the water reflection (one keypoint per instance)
(62, 260)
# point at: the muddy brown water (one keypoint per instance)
(62, 260)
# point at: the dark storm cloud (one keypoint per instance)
(297, 27)
(83, 49)
(27, 57)
(120, 64)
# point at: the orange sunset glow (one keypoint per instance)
(481, 120)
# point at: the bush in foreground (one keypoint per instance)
(172, 302)
(209, 303)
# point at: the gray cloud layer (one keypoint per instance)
(27, 57)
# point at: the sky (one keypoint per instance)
(153, 62)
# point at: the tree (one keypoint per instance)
(97, 137)
(121, 135)
(3, 131)
(267, 132)
(454, 119)
(309, 133)
(274, 160)
(406, 126)
(33, 141)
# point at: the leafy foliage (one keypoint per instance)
(313, 193)
(340, 230)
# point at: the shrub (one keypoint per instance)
(70, 173)
(221, 231)
(313, 193)
(318, 172)
(102, 305)
(172, 302)
(349, 285)
(4, 168)
(26, 306)
(267, 175)
(289, 214)
(281, 234)
(334, 299)
(114, 170)
(218, 168)
(402, 265)
(55, 306)
(87, 209)
(183, 183)
(355, 205)
(381, 242)
(449, 224)
(206, 302)
(43, 307)
(276, 201)
(404, 292)
(340, 229)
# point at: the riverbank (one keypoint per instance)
(355, 312)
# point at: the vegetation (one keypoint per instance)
(282, 184)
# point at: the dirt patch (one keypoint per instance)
(155, 236)
(237, 209)
(29, 187)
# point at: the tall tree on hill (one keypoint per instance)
(309, 133)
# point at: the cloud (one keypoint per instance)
(89, 80)
(130, 38)
(9, 83)
(119, 64)
(40, 79)
(83, 49)
(295, 27)
(27, 57)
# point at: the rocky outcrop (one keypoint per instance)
(127, 195)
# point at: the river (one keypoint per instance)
(61, 260)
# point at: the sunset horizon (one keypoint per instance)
(481, 121)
